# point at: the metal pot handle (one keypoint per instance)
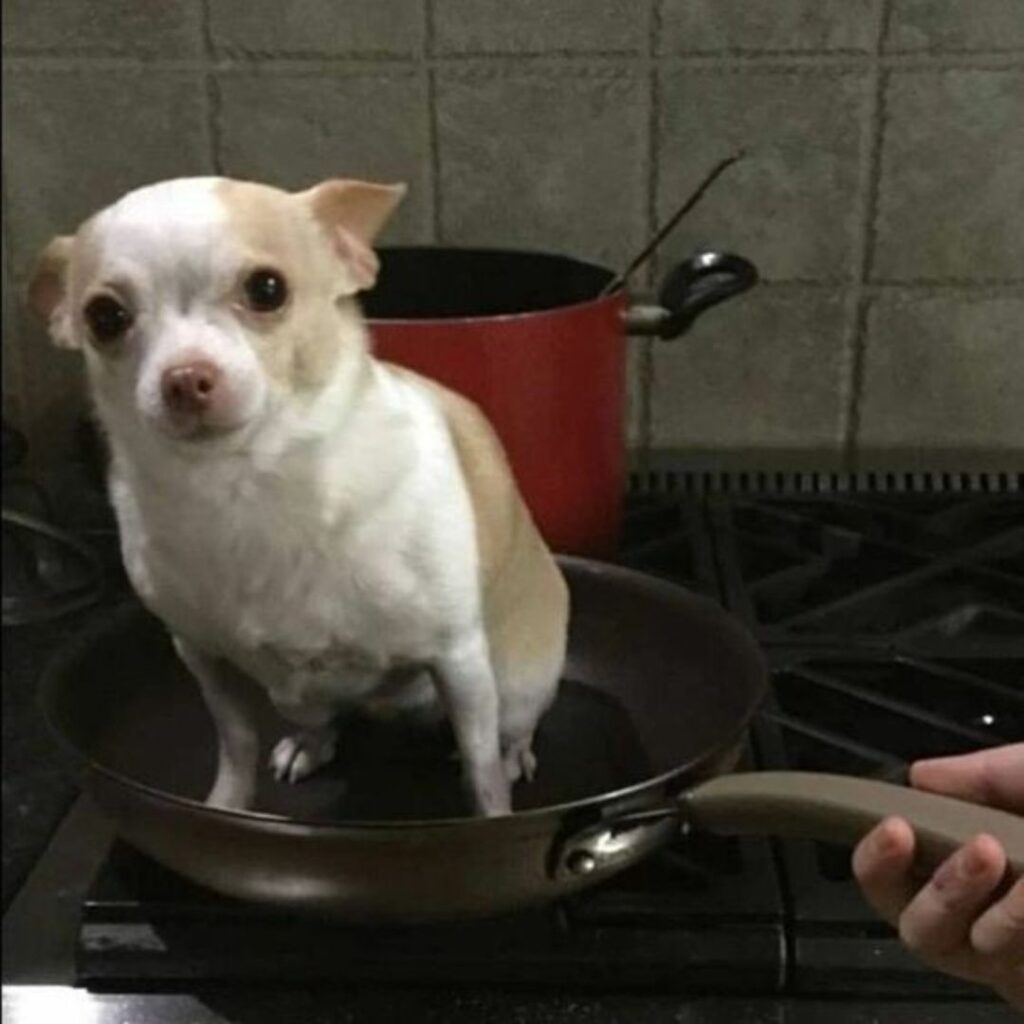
(692, 286)
(806, 805)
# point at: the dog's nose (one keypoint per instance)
(190, 387)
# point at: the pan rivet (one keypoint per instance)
(582, 862)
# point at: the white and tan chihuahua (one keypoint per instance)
(298, 513)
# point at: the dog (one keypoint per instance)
(302, 516)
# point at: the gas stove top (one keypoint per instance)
(894, 629)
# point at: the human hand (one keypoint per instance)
(963, 921)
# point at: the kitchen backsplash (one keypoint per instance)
(882, 196)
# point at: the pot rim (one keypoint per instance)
(616, 297)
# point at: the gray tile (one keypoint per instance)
(554, 161)
(783, 26)
(11, 368)
(294, 131)
(393, 27)
(954, 26)
(791, 205)
(74, 142)
(53, 396)
(951, 194)
(943, 386)
(114, 26)
(759, 377)
(526, 26)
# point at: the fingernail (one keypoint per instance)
(972, 863)
(885, 842)
(965, 866)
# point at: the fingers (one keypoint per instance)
(881, 864)
(961, 921)
(939, 919)
(994, 776)
(1000, 930)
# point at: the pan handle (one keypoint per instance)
(805, 805)
(692, 286)
(842, 809)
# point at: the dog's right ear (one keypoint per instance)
(47, 291)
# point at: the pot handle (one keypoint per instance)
(692, 286)
(806, 805)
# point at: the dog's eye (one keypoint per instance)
(265, 290)
(107, 318)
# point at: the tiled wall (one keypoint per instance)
(882, 198)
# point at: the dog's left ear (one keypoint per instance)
(353, 214)
(47, 290)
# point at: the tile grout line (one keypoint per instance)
(433, 134)
(881, 286)
(646, 367)
(860, 297)
(569, 62)
(649, 63)
(212, 91)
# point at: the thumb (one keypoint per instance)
(994, 776)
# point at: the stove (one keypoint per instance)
(895, 631)
(893, 623)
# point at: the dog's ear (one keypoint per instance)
(353, 214)
(47, 290)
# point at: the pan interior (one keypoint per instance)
(441, 283)
(656, 680)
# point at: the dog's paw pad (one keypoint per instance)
(490, 790)
(519, 764)
(297, 757)
(232, 796)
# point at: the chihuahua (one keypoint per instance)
(303, 516)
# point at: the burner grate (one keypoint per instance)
(893, 620)
(659, 474)
(917, 574)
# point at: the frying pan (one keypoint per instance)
(659, 689)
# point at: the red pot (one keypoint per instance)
(529, 338)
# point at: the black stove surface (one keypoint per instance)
(894, 628)
(895, 631)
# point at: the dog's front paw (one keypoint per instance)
(231, 793)
(298, 756)
(520, 761)
(490, 790)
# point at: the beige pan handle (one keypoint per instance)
(842, 809)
